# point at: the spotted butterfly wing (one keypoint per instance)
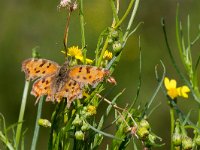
(35, 68)
(71, 90)
(43, 86)
(88, 74)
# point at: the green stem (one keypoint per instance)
(65, 40)
(21, 114)
(125, 14)
(131, 19)
(172, 125)
(82, 30)
(5, 140)
(37, 127)
(102, 52)
(114, 10)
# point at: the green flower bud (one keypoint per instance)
(117, 47)
(177, 139)
(79, 135)
(44, 122)
(85, 126)
(197, 140)
(142, 132)
(187, 143)
(110, 40)
(77, 121)
(152, 138)
(144, 123)
(114, 34)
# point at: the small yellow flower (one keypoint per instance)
(173, 91)
(183, 91)
(91, 110)
(107, 55)
(171, 88)
(74, 51)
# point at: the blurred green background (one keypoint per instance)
(26, 24)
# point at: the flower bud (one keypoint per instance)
(77, 121)
(142, 132)
(44, 122)
(114, 34)
(177, 139)
(110, 40)
(187, 143)
(79, 135)
(197, 140)
(85, 126)
(117, 47)
(144, 123)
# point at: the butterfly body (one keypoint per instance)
(59, 82)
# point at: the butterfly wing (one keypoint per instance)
(35, 68)
(71, 90)
(43, 86)
(88, 74)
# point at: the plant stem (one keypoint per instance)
(172, 125)
(131, 19)
(125, 14)
(82, 30)
(5, 140)
(37, 127)
(21, 114)
(65, 40)
(102, 52)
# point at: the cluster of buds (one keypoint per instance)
(144, 133)
(182, 141)
(113, 39)
(79, 121)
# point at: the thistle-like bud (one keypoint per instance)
(197, 140)
(144, 123)
(114, 34)
(85, 126)
(177, 139)
(44, 122)
(142, 132)
(77, 121)
(187, 143)
(117, 47)
(79, 135)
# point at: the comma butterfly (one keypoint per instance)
(61, 81)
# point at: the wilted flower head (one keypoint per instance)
(68, 4)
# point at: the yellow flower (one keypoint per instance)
(74, 51)
(107, 55)
(91, 110)
(183, 91)
(173, 91)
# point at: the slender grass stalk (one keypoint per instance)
(65, 40)
(21, 114)
(82, 30)
(125, 14)
(172, 125)
(102, 52)
(5, 140)
(131, 19)
(37, 127)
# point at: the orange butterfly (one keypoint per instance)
(61, 81)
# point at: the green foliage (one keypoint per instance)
(77, 127)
